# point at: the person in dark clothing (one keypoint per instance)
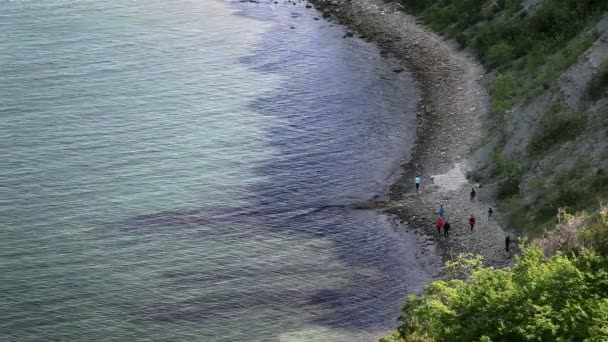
(507, 243)
(473, 193)
(490, 212)
(446, 229)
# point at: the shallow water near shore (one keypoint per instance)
(185, 171)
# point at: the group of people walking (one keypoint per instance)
(443, 223)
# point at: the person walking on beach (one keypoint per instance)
(417, 182)
(441, 211)
(490, 212)
(439, 225)
(473, 193)
(446, 229)
(472, 222)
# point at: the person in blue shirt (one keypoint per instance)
(441, 211)
(417, 181)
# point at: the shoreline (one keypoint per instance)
(452, 102)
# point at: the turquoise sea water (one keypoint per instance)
(183, 171)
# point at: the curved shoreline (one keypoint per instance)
(452, 103)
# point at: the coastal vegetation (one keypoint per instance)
(557, 290)
(504, 32)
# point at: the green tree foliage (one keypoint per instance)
(546, 296)
(499, 54)
(576, 233)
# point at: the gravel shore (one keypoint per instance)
(453, 100)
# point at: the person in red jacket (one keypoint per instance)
(439, 225)
(472, 222)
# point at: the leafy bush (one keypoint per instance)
(520, 216)
(556, 298)
(509, 184)
(502, 92)
(576, 233)
(509, 173)
(575, 189)
(499, 54)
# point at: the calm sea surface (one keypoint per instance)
(184, 171)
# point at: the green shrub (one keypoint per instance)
(576, 233)
(509, 184)
(599, 181)
(502, 92)
(519, 216)
(508, 172)
(556, 298)
(574, 189)
(438, 18)
(499, 54)
(559, 124)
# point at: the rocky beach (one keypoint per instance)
(452, 104)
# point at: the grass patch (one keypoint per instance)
(502, 99)
(558, 125)
(503, 89)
